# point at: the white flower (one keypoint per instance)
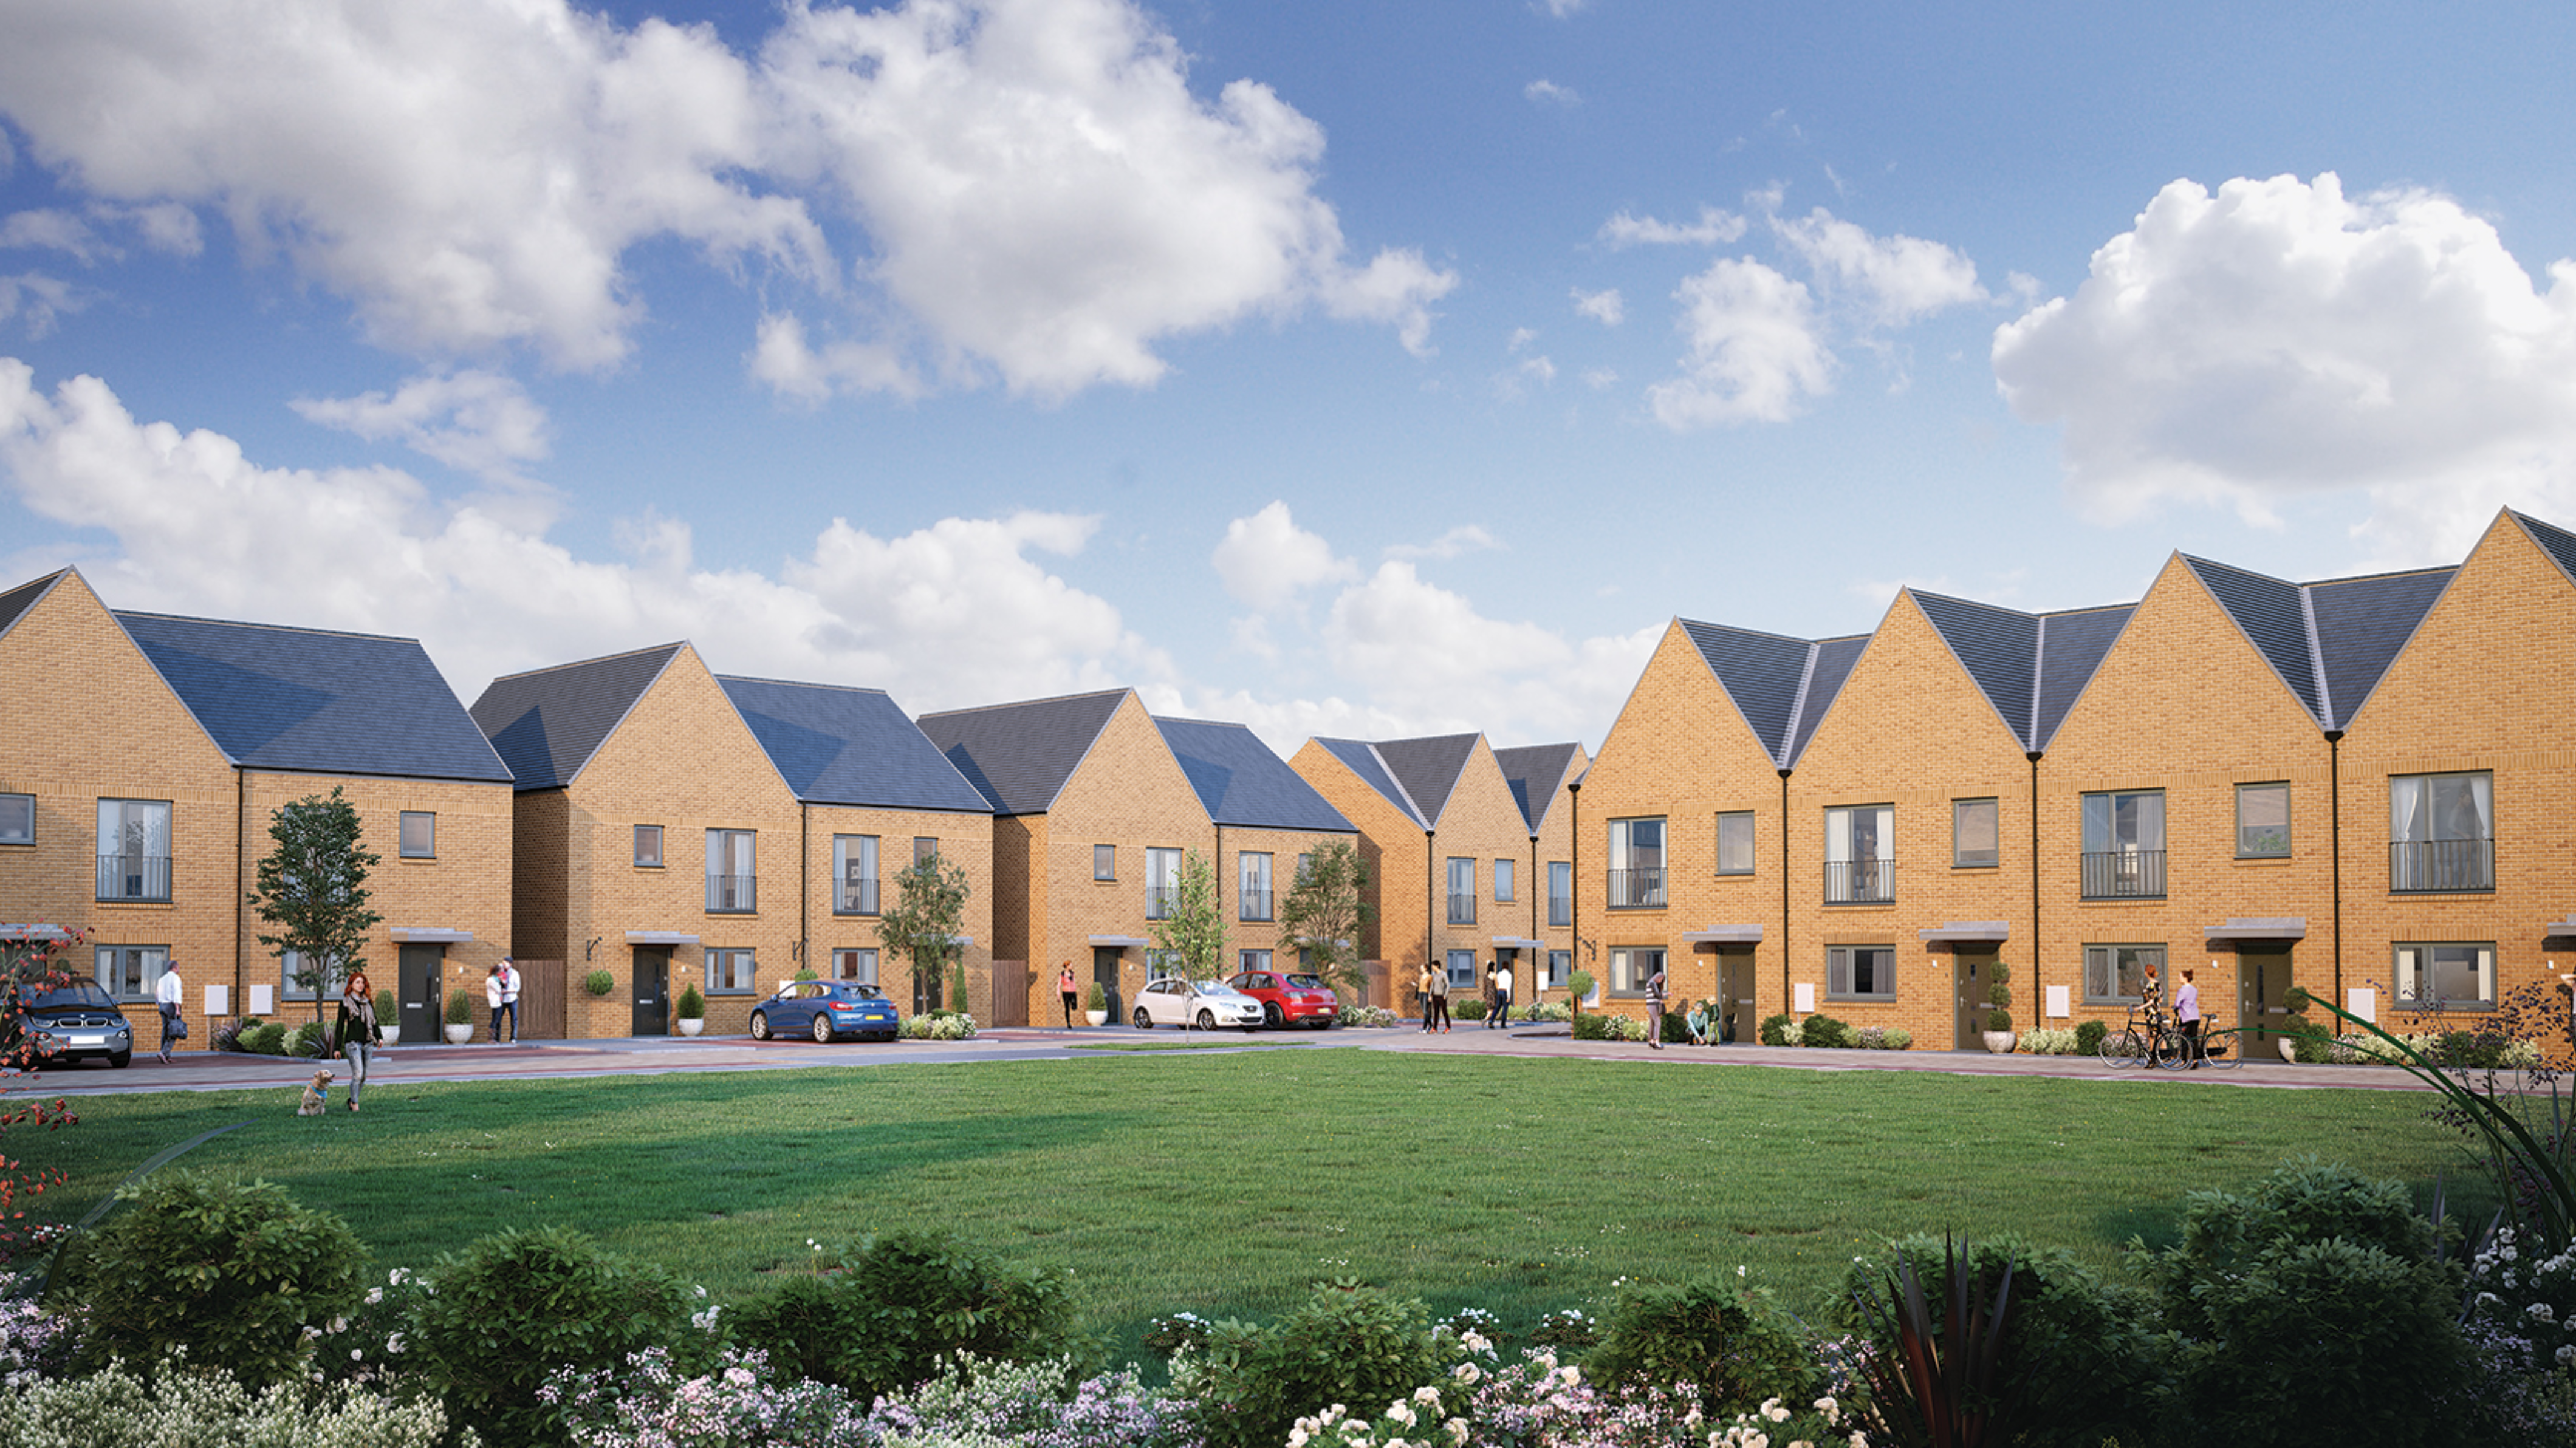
(1859, 1439)
(1465, 1373)
(339, 1325)
(375, 1295)
(357, 1356)
(2567, 1354)
(1297, 1435)
(1400, 1413)
(1475, 1341)
(1772, 1410)
(2540, 1312)
(1826, 1405)
(393, 1342)
(1457, 1431)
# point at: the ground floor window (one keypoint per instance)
(1560, 964)
(857, 965)
(2117, 975)
(2453, 975)
(731, 972)
(1160, 963)
(1860, 973)
(132, 972)
(1631, 970)
(1462, 970)
(1256, 960)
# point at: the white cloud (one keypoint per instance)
(53, 230)
(1714, 228)
(793, 369)
(1548, 92)
(1396, 287)
(1600, 379)
(955, 613)
(1465, 538)
(1604, 306)
(1266, 560)
(1893, 279)
(1425, 657)
(38, 299)
(1754, 349)
(479, 422)
(1561, 9)
(2279, 338)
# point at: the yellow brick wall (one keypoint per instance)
(1554, 842)
(965, 841)
(1390, 845)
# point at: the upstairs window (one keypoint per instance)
(416, 835)
(1636, 862)
(1252, 885)
(2441, 832)
(1560, 892)
(134, 849)
(1860, 855)
(1104, 862)
(1976, 834)
(855, 888)
(1502, 882)
(1462, 891)
(1162, 883)
(2262, 821)
(17, 819)
(1735, 843)
(648, 847)
(733, 880)
(2124, 845)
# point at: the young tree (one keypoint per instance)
(922, 925)
(27, 971)
(1325, 912)
(1194, 933)
(313, 887)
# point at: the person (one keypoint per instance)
(167, 993)
(357, 1032)
(1435, 997)
(2187, 1015)
(510, 984)
(1697, 1020)
(1064, 987)
(492, 998)
(1655, 1009)
(1502, 1015)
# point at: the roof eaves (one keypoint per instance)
(629, 711)
(37, 590)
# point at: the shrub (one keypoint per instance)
(1731, 1344)
(307, 1040)
(265, 1039)
(1776, 1028)
(1468, 1008)
(1825, 1031)
(1546, 1011)
(1578, 985)
(1097, 999)
(234, 1272)
(1567, 1327)
(939, 1026)
(228, 1036)
(387, 1012)
(1347, 1344)
(1898, 1039)
(1594, 1027)
(460, 1008)
(598, 983)
(1873, 1038)
(692, 1006)
(34, 1343)
(2088, 1038)
(2048, 1041)
(898, 1304)
(518, 1305)
(1676, 1028)
(1365, 1016)
(2000, 993)
(118, 1406)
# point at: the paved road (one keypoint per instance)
(225, 1071)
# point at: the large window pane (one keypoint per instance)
(2262, 820)
(1162, 883)
(2446, 976)
(1637, 862)
(855, 887)
(1975, 833)
(1860, 854)
(1735, 843)
(133, 849)
(1860, 972)
(1462, 891)
(732, 872)
(1252, 892)
(2116, 975)
(1631, 969)
(1560, 892)
(2441, 832)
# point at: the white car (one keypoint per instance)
(1206, 1004)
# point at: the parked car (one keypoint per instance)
(1290, 998)
(1206, 1004)
(68, 1023)
(825, 1010)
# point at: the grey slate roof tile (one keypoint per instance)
(2363, 624)
(836, 745)
(1428, 768)
(308, 699)
(2072, 646)
(1999, 647)
(1361, 758)
(1762, 674)
(1019, 755)
(2557, 542)
(1535, 772)
(547, 723)
(23, 597)
(2274, 618)
(1827, 672)
(1242, 782)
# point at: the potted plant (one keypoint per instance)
(1999, 1021)
(599, 982)
(2294, 1024)
(1578, 984)
(692, 1010)
(1095, 1006)
(388, 1020)
(460, 1017)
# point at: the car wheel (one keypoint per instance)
(119, 1059)
(1144, 1022)
(1207, 1020)
(760, 1025)
(822, 1029)
(1270, 1014)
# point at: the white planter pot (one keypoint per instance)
(1097, 1018)
(691, 1025)
(2289, 1049)
(459, 1035)
(389, 1035)
(1999, 1042)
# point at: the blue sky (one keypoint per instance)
(1346, 368)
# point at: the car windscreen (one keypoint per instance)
(79, 995)
(1217, 988)
(1307, 982)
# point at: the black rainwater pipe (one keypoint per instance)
(2334, 802)
(2039, 1003)
(1786, 995)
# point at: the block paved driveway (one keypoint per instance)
(396, 1065)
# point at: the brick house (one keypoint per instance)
(1454, 845)
(144, 826)
(1095, 805)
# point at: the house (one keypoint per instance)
(1097, 804)
(140, 819)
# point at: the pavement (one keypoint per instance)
(201, 1070)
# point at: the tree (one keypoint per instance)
(313, 887)
(26, 970)
(922, 926)
(1192, 937)
(1326, 911)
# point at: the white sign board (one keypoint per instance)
(2362, 1001)
(263, 999)
(2057, 1001)
(219, 1000)
(1804, 992)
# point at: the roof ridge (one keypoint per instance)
(337, 633)
(1025, 703)
(2316, 655)
(1756, 632)
(796, 683)
(2038, 679)
(1798, 705)
(583, 663)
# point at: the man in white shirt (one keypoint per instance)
(1502, 1015)
(167, 993)
(2187, 1013)
(509, 1002)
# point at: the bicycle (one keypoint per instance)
(2147, 1039)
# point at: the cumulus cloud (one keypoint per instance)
(1465, 538)
(794, 369)
(2279, 338)
(1893, 279)
(1548, 92)
(1266, 560)
(960, 612)
(478, 422)
(1754, 349)
(1604, 306)
(1426, 657)
(36, 300)
(53, 230)
(1714, 228)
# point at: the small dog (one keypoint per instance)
(317, 1095)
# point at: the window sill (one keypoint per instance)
(1957, 866)
(2422, 894)
(1860, 904)
(130, 903)
(2266, 859)
(1735, 875)
(1629, 909)
(1859, 1000)
(2123, 900)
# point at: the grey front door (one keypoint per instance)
(2262, 990)
(652, 990)
(1969, 971)
(1735, 1014)
(416, 986)
(1104, 973)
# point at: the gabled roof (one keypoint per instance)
(2030, 666)
(1242, 782)
(838, 745)
(1535, 773)
(1429, 769)
(1020, 755)
(547, 723)
(1361, 758)
(2329, 642)
(25, 596)
(1781, 686)
(308, 699)
(2557, 542)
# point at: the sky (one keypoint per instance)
(1342, 368)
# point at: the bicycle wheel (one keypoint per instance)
(2169, 1051)
(2224, 1050)
(2122, 1051)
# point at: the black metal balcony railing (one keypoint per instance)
(2124, 874)
(1462, 908)
(2424, 865)
(854, 897)
(733, 894)
(1560, 909)
(1160, 901)
(1634, 887)
(134, 877)
(1253, 905)
(1860, 882)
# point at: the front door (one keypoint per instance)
(652, 990)
(2262, 990)
(1735, 1014)
(1971, 974)
(1104, 974)
(416, 977)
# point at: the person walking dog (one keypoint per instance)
(357, 1032)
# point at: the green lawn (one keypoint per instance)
(1228, 1184)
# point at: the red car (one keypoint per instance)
(1290, 999)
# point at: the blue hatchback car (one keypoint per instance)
(825, 1010)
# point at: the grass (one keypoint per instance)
(1229, 1184)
